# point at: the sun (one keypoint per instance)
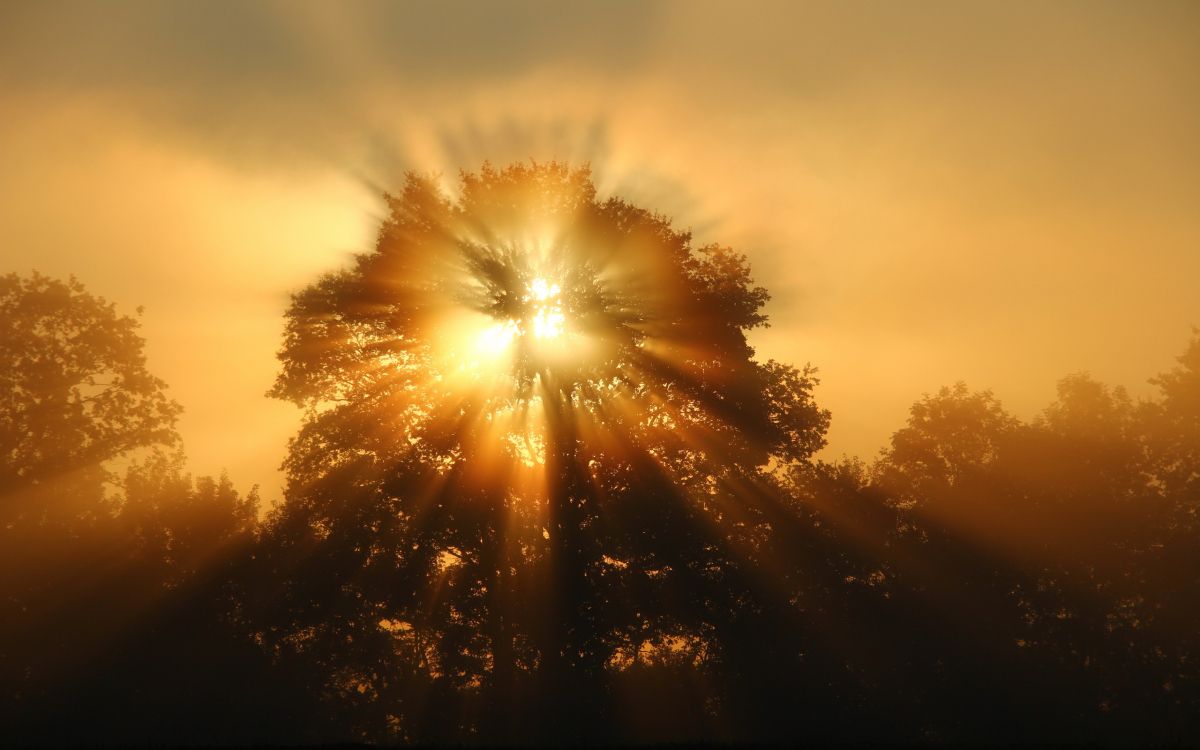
(540, 317)
(526, 340)
(496, 338)
(525, 305)
(548, 319)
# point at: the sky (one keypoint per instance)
(1000, 193)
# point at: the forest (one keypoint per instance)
(545, 493)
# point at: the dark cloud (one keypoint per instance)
(272, 47)
(302, 81)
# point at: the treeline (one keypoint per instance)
(985, 579)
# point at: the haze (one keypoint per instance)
(991, 192)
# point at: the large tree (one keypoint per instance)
(538, 470)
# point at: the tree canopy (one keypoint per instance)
(544, 491)
(529, 483)
(77, 393)
(113, 561)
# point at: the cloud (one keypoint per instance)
(283, 82)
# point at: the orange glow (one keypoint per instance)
(548, 318)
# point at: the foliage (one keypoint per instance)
(617, 540)
(76, 394)
(111, 587)
(633, 546)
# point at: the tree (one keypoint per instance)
(117, 591)
(538, 459)
(179, 525)
(1053, 561)
(76, 395)
(1172, 429)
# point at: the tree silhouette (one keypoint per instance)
(1058, 558)
(77, 394)
(117, 591)
(543, 492)
(538, 459)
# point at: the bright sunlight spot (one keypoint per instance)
(540, 290)
(495, 339)
(547, 324)
(548, 318)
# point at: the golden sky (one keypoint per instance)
(995, 192)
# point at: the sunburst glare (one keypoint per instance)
(524, 311)
(523, 370)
